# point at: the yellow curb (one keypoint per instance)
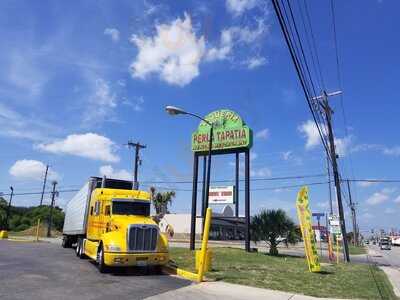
(180, 272)
(22, 240)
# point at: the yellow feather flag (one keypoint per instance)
(305, 219)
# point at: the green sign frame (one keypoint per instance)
(229, 132)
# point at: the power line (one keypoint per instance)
(298, 68)
(231, 180)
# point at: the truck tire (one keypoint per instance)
(100, 260)
(79, 249)
(65, 241)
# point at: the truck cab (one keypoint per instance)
(119, 230)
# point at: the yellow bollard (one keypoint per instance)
(207, 264)
(3, 234)
(37, 230)
(204, 245)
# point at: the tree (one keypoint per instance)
(273, 227)
(161, 200)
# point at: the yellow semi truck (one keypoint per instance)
(111, 224)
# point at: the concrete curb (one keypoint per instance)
(224, 290)
(394, 278)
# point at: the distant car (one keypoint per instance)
(385, 244)
(366, 242)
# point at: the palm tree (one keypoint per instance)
(161, 200)
(273, 227)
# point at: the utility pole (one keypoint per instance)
(44, 184)
(137, 146)
(328, 115)
(9, 208)
(353, 217)
(53, 195)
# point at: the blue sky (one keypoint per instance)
(78, 80)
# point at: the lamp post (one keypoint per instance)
(9, 207)
(172, 110)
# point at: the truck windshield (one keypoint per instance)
(137, 208)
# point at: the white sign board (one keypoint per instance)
(221, 195)
(334, 225)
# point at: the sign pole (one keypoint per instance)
(209, 164)
(237, 185)
(194, 201)
(247, 198)
(203, 192)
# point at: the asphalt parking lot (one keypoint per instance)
(47, 271)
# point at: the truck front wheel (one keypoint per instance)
(100, 260)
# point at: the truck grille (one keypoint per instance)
(142, 238)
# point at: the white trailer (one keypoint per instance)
(76, 214)
(77, 209)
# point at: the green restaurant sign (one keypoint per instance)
(230, 132)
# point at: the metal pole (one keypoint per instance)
(9, 208)
(209, 164)
(203, 192)
(247, 199)
(194, 202)
(53, 193)
(237, 186)
(353, 216)
(336, 175)
(44, 184)
(330, 186)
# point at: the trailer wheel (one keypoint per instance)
(100, 260)
(78, 246)
(64, 243)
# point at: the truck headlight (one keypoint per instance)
(113, 248)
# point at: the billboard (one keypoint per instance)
(221, 195)
(230, 132)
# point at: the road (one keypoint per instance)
(389, 258)
(47, 271)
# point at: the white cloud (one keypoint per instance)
(136, 104)
(24, 75)
(15, 125)
(101, 103)
(311, 133)
(109, 172)
(237, 7)
(89, 145)
(32, 170)
(262, 134)
(174, 53)
(235, 35)
(378, 198)
(366, 183)
(397, 199)
(394, 151)
(342, 145)
(261, 172)
(113, 33)
(287, 155)
(255, 62)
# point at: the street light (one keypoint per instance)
(173, 110)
